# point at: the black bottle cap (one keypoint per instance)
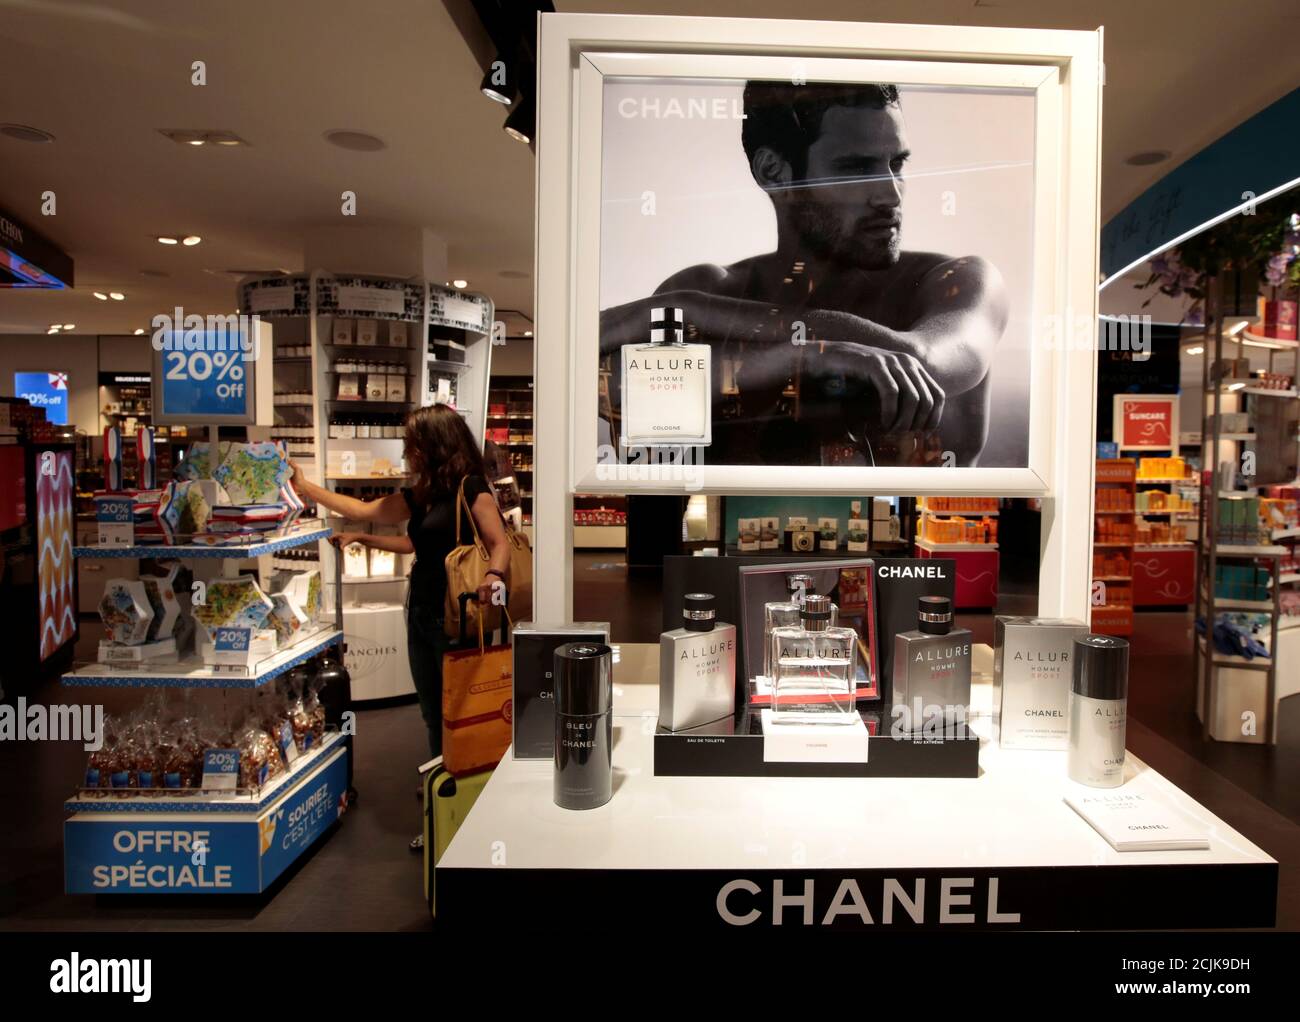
(934, 615)
(800, 584)
(699, 611)
(584, 678)
(815, 612)
(1100, 667)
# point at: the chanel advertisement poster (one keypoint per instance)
(816, 273)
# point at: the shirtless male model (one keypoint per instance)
(890, 349)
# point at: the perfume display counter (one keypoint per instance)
(999, 851)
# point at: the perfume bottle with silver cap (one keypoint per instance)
(932, 670)
(697, 667)
(814, 668)
(667, 387)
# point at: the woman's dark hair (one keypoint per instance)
(440, 451)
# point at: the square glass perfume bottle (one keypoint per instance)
(814, 667)
(932, 670)
(785, 613)
(697, 667)
(667, 387)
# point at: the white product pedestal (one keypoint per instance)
(1002, 851)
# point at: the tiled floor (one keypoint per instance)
(362, 877)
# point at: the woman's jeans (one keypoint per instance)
(426, 642)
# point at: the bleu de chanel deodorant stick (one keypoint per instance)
(584, 725)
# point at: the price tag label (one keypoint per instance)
(221, 769)
(115, 517)
(288, 747)
(119, 654)
(233, 640)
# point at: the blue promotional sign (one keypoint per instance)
(45, 390)
(233, 640)
(221, 768)
(203, 375)
(170, 854)
(106, 856)
(291, 829)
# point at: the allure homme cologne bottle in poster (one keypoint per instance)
(667, 387)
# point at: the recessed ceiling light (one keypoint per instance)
(1149, 157)
(1198, 350)
(100, 295)
(166, 239)
(460, 283)
(197, 141)
(69, 326)
(357, 141)
(52, 330)
(139, 330)
(528, 333)
(191, 240)
(117, 296)
(25, 133)
(56, 326)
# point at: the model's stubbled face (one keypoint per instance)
(848, 207)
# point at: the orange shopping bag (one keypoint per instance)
(477, 685)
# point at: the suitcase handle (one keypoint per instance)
(464, 599)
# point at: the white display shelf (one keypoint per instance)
(1245, 437)
(439, 365)
(1281, 344)
(169, 801)
(1165, 479)
(298, 535)
(1286, 578)
(1166, 511)
(357, 580)
(1239, 663)
(196, 674)
(1239, 550)
(1285, 533)
(1268, 392)
(600, 537)
(1112, 578)
(926, 544)
(1130, 511)
(1224, 603)
(954, 514)
(1164, 546)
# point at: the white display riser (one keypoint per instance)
(376, 655)
(1241, 692)
(723, 853)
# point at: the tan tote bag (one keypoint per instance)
(467, 567)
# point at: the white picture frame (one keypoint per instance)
(576, 52)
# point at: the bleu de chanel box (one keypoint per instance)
(533, 701)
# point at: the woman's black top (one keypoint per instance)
(433, 533)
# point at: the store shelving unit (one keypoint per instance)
(248, 815)
(509, 425)
(977, 564)
(1112, 558)
(1221, 690)
(438, 339)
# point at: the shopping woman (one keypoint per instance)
(440, 453)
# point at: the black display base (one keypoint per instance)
(736, 750)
